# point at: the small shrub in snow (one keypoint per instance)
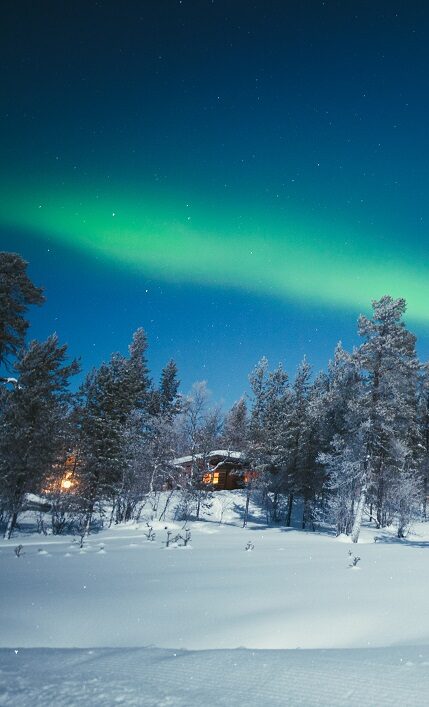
(175, 539)
(150, 533)
(169, 538)
(250, 546)
(354, 559)
(186, 538)
(18, 550)
(41, 526)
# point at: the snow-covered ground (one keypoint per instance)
(287, 623)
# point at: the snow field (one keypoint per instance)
(154, 677)
(212, 624)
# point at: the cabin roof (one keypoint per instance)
(226, 454)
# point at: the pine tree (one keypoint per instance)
(298, 431)
(236, 427)
(101, 417)
(137, 383)
(17, 293)
(169, 397)
(32, 420)
(339, 453)
(110, 396)
(389, 366)
(268, 446)
(376, 446)
(423, 423)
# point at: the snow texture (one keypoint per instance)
(228, 678)
(125, 620)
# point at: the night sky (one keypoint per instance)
(239, 178)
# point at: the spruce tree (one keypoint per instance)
(32, 418)
(169, 397)
(297, 433)
(236, 427)
(339, 454)
(389, 366)
(376, 448)
(268, 433)
(110, 395)
(17, 293)
(423, 423)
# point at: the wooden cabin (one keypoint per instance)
(221, 469)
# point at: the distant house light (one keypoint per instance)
(66, 483)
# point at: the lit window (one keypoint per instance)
(215, 478)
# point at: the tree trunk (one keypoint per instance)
(305, 514)
(359, 515)
(275, 507)
(289, 510)
(11, 524)
(246, 509)
(425, 494)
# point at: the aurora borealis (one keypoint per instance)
(257, 170)
(293, 258)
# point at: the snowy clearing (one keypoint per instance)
(192, 625)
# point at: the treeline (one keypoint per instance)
(353, 441)
(348, 442)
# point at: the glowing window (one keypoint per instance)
(215, 479)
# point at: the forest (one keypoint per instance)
(343, 445)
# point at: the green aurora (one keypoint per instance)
(269, 254)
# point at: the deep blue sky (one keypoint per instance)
(267, 164)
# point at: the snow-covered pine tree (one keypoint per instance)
(268, 437)
(381, 425)
(298, 436)
(389, 366)
(235, 435)
(236, 427)
(110, 395)
(316, 436)
(153, 446)
(343, 379)
(423, 424)
(17, 292)
(137, 384)
(32, 418)
(170, 400)
(339, 454)
(256, 445)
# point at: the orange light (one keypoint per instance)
(212, 478)
(67, 482)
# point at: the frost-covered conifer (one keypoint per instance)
(17, 292)
(379, 438)
(110, 396)
(169, 398)
(32, 419)
(236, 427)
(268, 435)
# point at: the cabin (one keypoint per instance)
(221, 469)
